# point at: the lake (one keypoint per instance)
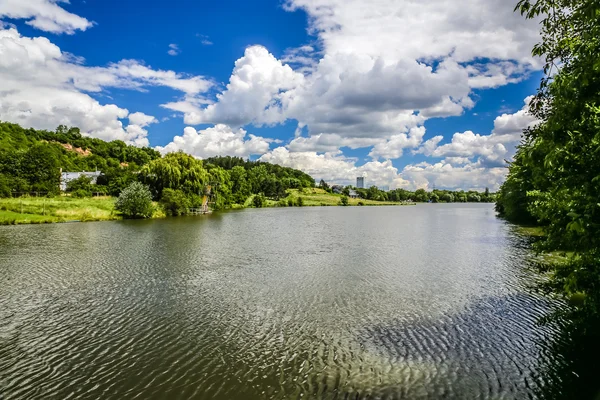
(428, 301)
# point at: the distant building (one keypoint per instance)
(66, 177)
(337, 189)
(353, 194)
(360, 182)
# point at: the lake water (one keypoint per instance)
(427, 301)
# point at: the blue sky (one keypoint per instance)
(407, 95)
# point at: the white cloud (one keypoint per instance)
(220, 140)
(394, 147)
(42, 87)
(329, 142)
(492, 150)
(376, 73)
(45, 15)
(253, 94)
(141, 119)
(446, 176)
(335, 168)
(173, 50)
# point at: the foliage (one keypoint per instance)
(174, 202)
(81, 193)
(300, 202)
(344, 200)
(554, 179)
(259, 201)
(135, 201)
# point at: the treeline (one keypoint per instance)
(30, 161)
(418, 196)
(554, 180)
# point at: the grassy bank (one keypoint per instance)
(28, 210)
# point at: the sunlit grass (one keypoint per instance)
(59, 209)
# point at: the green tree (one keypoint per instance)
(174, 202)
(420, 196)
(135, 201)
(344, 200)
(259, 201)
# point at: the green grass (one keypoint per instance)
(32, 210)
(13, 218)
(58, 209)
(318, 197)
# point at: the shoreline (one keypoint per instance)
(65, 209)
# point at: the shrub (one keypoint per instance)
(174, 202)
(360, 203)
(282, 203)
(344, 200)
(299, 201)
(135, 201)
(291, 202)
(81, 193)
(258, 201)
(82, 183)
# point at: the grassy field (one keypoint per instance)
(27, 210)
(319, 197)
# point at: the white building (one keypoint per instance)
(66, 177)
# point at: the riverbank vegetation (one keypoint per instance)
(554, 180)
(31, 162)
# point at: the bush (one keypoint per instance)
(135, 201)
(344, 200)
(282, 203)
(81, 193)
(258, 201)
(174, 202)
(291, 202)
(299, 201)
(82, 183)
(360, 203)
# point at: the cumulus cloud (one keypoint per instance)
(490, 150)
(220, 140)
(253, 95)
(43, 87)
(394, 147)
(45, 15)
(335, 167)
(376, 72)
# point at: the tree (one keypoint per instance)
(434, 198)
(421, 196)
(174, 202)
(259, 200)
(300, 202)
(447, 197)
(344, 200)
(135, 201)
(323, 185)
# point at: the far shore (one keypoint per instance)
(64, 208)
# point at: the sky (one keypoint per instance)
(408, 94)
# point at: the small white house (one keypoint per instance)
(66, 177)
(353, 194)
